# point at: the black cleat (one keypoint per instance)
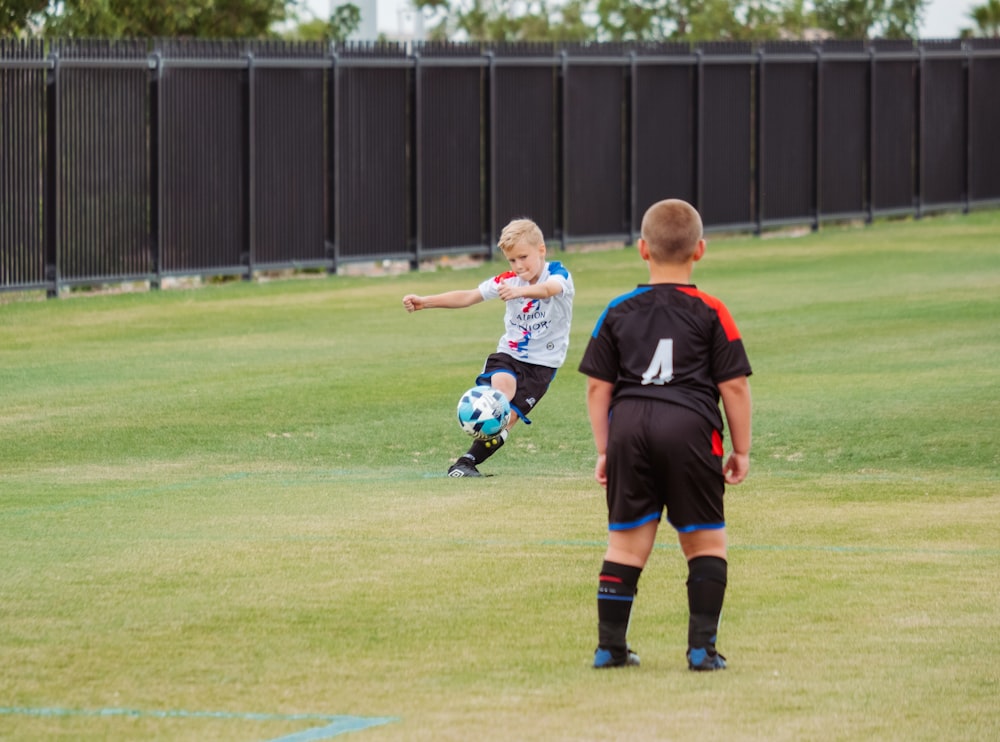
(463, 468)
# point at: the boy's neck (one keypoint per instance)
(671, 272)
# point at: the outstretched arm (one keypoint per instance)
(448, 300)
(736, 402)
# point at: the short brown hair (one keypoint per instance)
(672, 229)
(520, 230)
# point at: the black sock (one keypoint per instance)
(615, 593)
(480, 450)
(706, 588)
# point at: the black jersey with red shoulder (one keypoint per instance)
(667, 341)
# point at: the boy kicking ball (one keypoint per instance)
(538, 298)
(658, 361)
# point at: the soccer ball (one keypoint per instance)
(483, 412)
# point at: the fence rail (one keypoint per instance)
(140, 160)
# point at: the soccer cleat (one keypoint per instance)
(463, 468)
(705, 660)
(603, 658)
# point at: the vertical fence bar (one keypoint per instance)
(760, 171)
(333, 197)
(563, 154)
(155, 170)
(249, 257)
(53, 173)
(491, 153)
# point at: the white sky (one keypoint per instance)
(943, 19)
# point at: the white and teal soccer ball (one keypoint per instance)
(483, 412)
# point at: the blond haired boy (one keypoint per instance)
(658, 361)
(538, 296)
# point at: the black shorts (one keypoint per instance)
(532, 381)
(663, 456)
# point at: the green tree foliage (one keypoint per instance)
(987, 18)
(699, 20)
(16, 14)
(507, 20)
(671, 20)
(345, 20)
(175, 18)
(859, 19)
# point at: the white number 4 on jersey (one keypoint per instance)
(661, 368)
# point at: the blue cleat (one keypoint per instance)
(705, 660)
(604, 658)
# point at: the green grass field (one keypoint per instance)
(224, 515)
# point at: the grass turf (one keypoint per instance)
(223, 512)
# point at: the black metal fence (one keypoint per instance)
(139, 160)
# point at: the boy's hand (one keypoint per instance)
(507, 292)
(736, 468)
(412, 302)
(601, 469)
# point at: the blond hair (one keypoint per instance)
(520, 230)
(672, 228)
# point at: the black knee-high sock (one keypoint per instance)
(706, 588)
(479, 451)
(615, 594)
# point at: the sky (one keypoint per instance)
(943, 19)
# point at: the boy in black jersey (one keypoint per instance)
(658, 361)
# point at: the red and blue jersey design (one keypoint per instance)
(535, 330)
(667, 341)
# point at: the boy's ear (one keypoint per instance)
(699, 251)
(643, 249)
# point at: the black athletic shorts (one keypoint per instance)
(532, 380)
(663, 456)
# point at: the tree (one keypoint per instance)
(15, 15)
(507, 20)
(987, 18)
(345, 20)
(615, 20)
(186, 18)
(859, 19)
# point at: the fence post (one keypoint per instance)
(967, 79)
(561, 185)
(872, 175)
(817, 133)
(333, 176)
(921, 125)
(758, 161)
(418, 160)
(699, 134)
(491, 151)
(250, 186)
(53, 171)
(155, 160)
(633, 137)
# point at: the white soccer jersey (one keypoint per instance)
(536, 330)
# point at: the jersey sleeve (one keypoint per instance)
(600, 358)
(489, 289)
(729, 357)
(559, 272)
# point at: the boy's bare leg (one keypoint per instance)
(632, 547)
